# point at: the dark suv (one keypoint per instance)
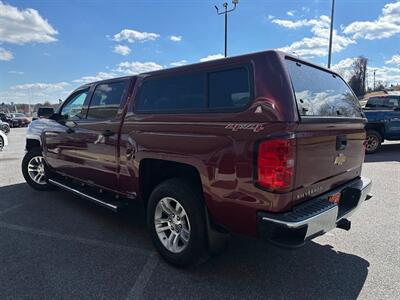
(264, 145)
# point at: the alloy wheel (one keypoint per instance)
(372, 142)
(36, 170)
(172, 224)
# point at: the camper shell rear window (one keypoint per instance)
(320, 93)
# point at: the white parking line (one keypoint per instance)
(141, 282)
(67, 237)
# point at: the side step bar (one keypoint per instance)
(112, 205)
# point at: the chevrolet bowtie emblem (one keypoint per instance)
(340, 159)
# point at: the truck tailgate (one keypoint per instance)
(327, 155)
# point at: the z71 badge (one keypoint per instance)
(255, 127)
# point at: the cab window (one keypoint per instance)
(72, 110)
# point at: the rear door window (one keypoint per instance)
(321, 94)
(106, 100)
(228, 88)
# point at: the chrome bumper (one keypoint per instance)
(314, 217)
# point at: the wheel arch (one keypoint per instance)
(32, 143)
(378, 127)
(154, 171)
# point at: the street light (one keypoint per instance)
(330, 35)
(225, 13)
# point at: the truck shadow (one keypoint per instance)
(249, 268)
(388, 152)
(255, 269)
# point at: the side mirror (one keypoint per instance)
(70, 124)
(45, 112)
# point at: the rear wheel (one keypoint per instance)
(374, 140)
(1, 143)
(176, 221)
(34, 170)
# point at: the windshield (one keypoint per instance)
(383, 102)
(320, 93)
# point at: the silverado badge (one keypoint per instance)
(340, 159)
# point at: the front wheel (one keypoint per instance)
(374, 140)
(176, 221)
(33, 169)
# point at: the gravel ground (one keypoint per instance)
(55, 245)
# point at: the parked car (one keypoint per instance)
(3, 140)
(43, 112)
(6, 118)
(19, 120)
(383, 114)
(264, 144)
(383, 102)
(4, 127)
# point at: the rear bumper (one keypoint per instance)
(314, 217)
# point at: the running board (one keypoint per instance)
(115, 206)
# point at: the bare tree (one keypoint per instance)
(357, 81)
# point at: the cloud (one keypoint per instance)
(5, 54)
(387, 75)
(136, 67)
(317, 45)
(345, 67)
(175, 38)
(384, 74)
(290, 13)
(16, 72)
(99, 76)
(132, 36)
(270, 17)
(24, 26)
(122, 50)
(395, 60)
(36, 92)
(48, 87)
(290, 24)
(179, 63)
(385, 26)
(211, 57)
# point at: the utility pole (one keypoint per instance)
(331, 35)
(225, 13)
(374, 80)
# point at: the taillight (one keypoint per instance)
(275, 164)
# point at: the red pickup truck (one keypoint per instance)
(264, 145)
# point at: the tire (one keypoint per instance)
(33, 160)
(187, 218)
(1, 143)
(374, 141)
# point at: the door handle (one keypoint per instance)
(107, 133)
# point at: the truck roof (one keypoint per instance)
(215, 62)
(238, 58)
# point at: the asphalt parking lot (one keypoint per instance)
(55, 245)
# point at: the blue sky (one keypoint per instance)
(48, 48)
